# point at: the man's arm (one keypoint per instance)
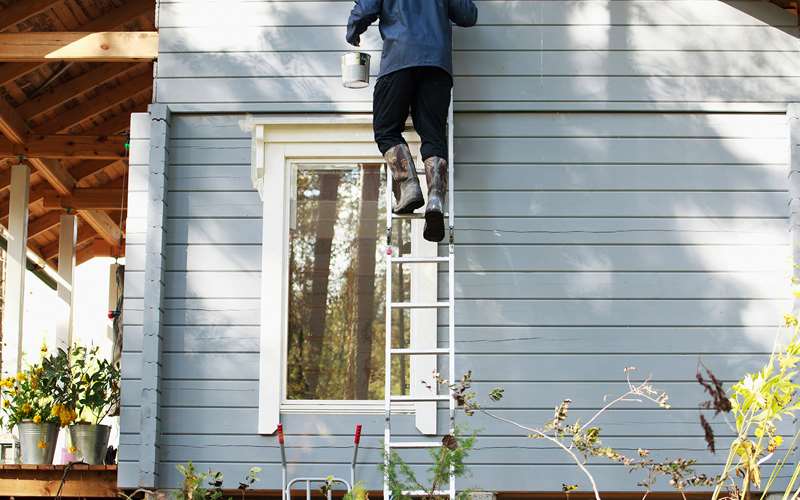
(463, 12)
(364, 13)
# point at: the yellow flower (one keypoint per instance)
(43, 349)
(37, 419)
(55, 410)
(66, 415)
(72, 449)
(42, 444)
(790, 320)
(6, 403)
(26, 408)
(34, 382)
(20, 376)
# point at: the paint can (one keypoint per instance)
(355, 70)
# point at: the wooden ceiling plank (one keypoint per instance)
(11, 71)
(103, 46)
(67, 146)
(120, 16)
(63, 92)
(85, 233)
(44, 223)
(87, 199)
(23, 10)
(98, 104)
(117, 123)
(90, 167)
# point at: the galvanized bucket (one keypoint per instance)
(37, 442)
(355, 70)
(91, 442)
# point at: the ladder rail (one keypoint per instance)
(410, 351)
(451, 284)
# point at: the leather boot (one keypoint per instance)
(405, 183)
(436, 173)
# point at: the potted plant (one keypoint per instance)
(95, 393)
(33, 401)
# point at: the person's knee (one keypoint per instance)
(388, 141)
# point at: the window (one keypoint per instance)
(322, 183)
(336, 283)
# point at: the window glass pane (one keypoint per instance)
(337, 286)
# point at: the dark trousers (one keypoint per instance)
(423, 91)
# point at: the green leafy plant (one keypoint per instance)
(758, 402)
(208, 485)
(358, 492)
(39, 393)
(451, 455)
(94, 384)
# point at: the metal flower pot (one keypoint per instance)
(91, 442)
(37, 442)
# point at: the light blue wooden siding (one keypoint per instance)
(259, 55)
(588, 242)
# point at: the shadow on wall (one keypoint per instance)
(588, 241)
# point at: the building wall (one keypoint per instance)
(617, 217)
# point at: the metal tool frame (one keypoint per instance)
(449, 305)
(286, 485)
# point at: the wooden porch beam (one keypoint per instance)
(86, 199)
(67, 146)
(103, 46)
(97, 105)
(98, 248)
(23, 10)
(103, 225)
(63, 92)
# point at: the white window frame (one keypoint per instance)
(278, 144)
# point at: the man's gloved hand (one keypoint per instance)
(353, 38)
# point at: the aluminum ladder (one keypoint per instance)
(449, 305)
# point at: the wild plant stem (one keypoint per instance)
(554, 441)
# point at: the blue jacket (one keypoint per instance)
(414, 32)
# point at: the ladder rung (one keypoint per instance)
(422, 493)
(419, 305)
(421, 399)
(419, 260)
(415, 215)
(415, 444)
(412, 352)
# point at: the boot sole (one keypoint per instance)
(434, 226)
(409, 207)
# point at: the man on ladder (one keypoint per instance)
(416, 76)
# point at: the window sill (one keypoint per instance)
(343, 407)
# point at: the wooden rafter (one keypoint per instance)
(97, 105)
(87, 198)
(106, 46)
(98, 248)
(67, 146)
(71, 89)
(23, 10)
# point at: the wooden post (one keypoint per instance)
(153, 297)
(15, 269)
(67, 239)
